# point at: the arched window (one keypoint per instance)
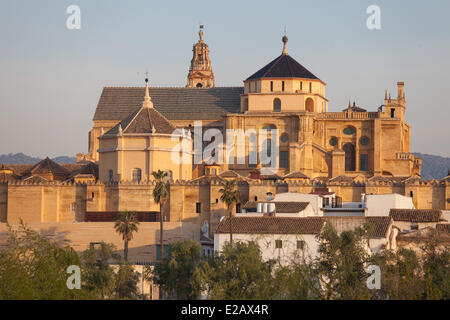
(137, 175)
(349, 150)
(276, 105)
(309, 105)
(267, 149)
(269, 127)
(199, 85)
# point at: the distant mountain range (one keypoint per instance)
(433, 167)
(20, 158)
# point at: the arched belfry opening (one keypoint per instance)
(309, 105)
(276, 105)
(350, 157)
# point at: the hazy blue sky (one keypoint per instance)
(51, 77)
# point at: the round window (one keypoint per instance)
(364, 141)
(284, 138)
(333, 141)
(349, 130)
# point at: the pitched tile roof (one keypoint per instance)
(416, 215)
(381, 224)
(295, 175)
(290, 207)
(144, 120)
(271, 225)
(283, 66)
(88, 169)
(116, 103)
(45, 166)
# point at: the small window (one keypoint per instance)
(284, 159)
(276, 105)
(238, 207)
(282, 85)
(310, 87)
(198, 207)
(333, 141)
(301, 86)
(411, 194)
(137, 175)
(300, 244)
(256, 198)
(92, 195)
(392, 113)
(278, 244)
(349, 131)
(284, 138)
(217, 200)
(271, 86)
(364, 141)
(363, 162)
(111, 175)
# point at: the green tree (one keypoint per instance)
(34, 267)
(402, 277)
(436, 267)
(126, 282)
(97, 273)
(160, 194)
(238, 273)
(229, 195)
(126, 224)
(342, 261)
(297, 281)
(178, 274)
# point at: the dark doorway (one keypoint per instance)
(349, 150)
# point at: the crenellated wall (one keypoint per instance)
(67, 202)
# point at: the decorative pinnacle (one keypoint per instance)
(200, 33)
(147, 103)
(285, 40)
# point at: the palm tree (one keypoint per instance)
(126, 224)
(229, 196)
(160, 194)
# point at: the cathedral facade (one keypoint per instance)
(282, 95)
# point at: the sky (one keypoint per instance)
(51, 77)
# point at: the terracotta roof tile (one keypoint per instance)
(116, 103)
(290, 207)
(45, 166)
(416, 215)
(271, 225)
(295, 175)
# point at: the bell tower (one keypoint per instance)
(200, 72)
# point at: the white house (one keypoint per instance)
(289, 239)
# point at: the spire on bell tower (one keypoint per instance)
(200, 72)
